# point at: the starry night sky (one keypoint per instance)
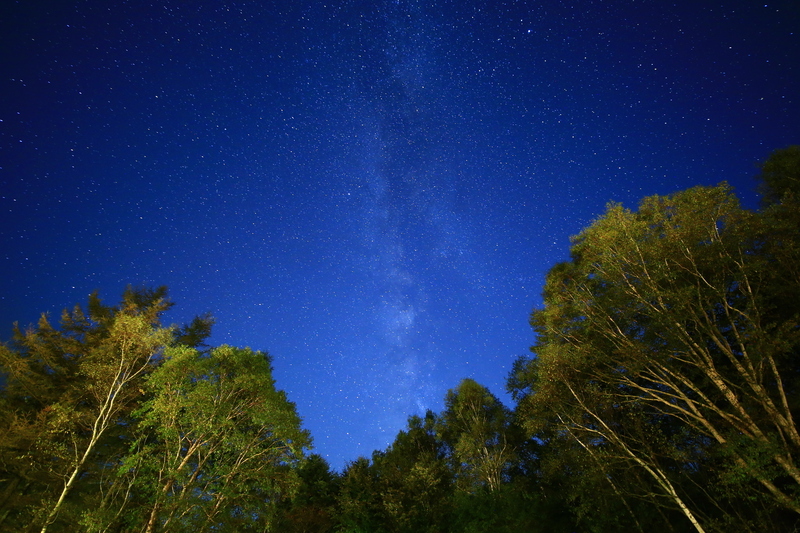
(370, 191)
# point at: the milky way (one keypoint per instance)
(373, 192)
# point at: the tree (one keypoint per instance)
(780, 176)
(218, 442)
(479, 431)
(69, 389)
(416, 483)
(660, 344)
(111, 367)
(359, 504)
(405, 488)
(312, 508)
(67, 399)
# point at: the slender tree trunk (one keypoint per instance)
(151, 521)
(605, 476)
(98, 428)
(659, 476)
(101, 423)
(71, 481)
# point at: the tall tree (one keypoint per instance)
(660, 342)
(405, 488)
(111, 368)
(218, 441)
(360, 504)
(67, 399)
(780, 176)
(481, 435)
(312, 508)
(68, 390)
(415, 478)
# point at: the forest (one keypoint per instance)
(660, 395)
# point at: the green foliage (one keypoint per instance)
(359, 503)
(195, 333)
(415, 480)
(665, 352)
(68, 395)
(780, 176)
(481, 436)
(217, 442)
(313, 506)
(405, 488)
(467, 469)
(505, 510)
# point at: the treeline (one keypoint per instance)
(113, 422)
(661, 395)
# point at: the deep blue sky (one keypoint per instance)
(370, 191)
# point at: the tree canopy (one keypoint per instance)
(115, 421)
(668, 342)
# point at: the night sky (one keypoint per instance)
(373, 192)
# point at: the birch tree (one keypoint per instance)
(67, 399)
(686, 313)
(478, 429)
(69, 388)
(219, 442)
